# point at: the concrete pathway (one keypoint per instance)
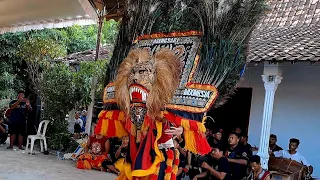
(18, 165)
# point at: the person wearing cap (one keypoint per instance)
(237, 156)
(17, 119)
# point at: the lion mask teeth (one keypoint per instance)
(138, 94)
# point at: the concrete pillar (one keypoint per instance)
(271, 83)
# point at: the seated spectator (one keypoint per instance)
(219, 170)
(78, 124)
(257, 173)
(238, 130)
(96, 152)
(293, 154)
(193, 166)
(273, 143)
(182, 157)
(217, 136)
(3, 131)
(116, 156)
(244, 142)
(237, 156)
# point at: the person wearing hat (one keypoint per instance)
(17, 119)
(237, 156)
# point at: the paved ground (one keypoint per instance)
(17, 165)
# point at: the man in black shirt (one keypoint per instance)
(237, 156)
(244, 142)
(219, 170)
(217, 136)
(273, 143)
(17, 119)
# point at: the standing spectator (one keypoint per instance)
(77, 126)
(257, 173)
(83, 117)
(237, 156)
(17, 119)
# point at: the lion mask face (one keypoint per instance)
(143, 73)
(143, 78)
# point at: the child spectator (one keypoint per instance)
(78, 124)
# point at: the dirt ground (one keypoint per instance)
(18, 165)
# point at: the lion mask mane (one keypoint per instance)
(167, 69)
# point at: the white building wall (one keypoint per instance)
(296, 112)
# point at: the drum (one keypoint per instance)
(293, 169)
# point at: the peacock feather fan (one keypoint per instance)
(226, 26)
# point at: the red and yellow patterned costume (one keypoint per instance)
(97, 154)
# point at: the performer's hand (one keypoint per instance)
(195, 178)
(174, 131)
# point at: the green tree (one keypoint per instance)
(37, 51)
(82, 80)
(59, 91)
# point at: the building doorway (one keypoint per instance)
(234, 113)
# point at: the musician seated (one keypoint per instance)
(293, 154)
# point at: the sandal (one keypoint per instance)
(9, 147)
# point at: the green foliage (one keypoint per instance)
(11, 83)
(71, 39)
(82, 80)
(81, 38)
(25, 58)
(58, 90)
(63, 90)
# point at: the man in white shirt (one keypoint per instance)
(293, 154)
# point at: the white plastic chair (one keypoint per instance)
(40, 135)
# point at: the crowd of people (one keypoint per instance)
(231, 160)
